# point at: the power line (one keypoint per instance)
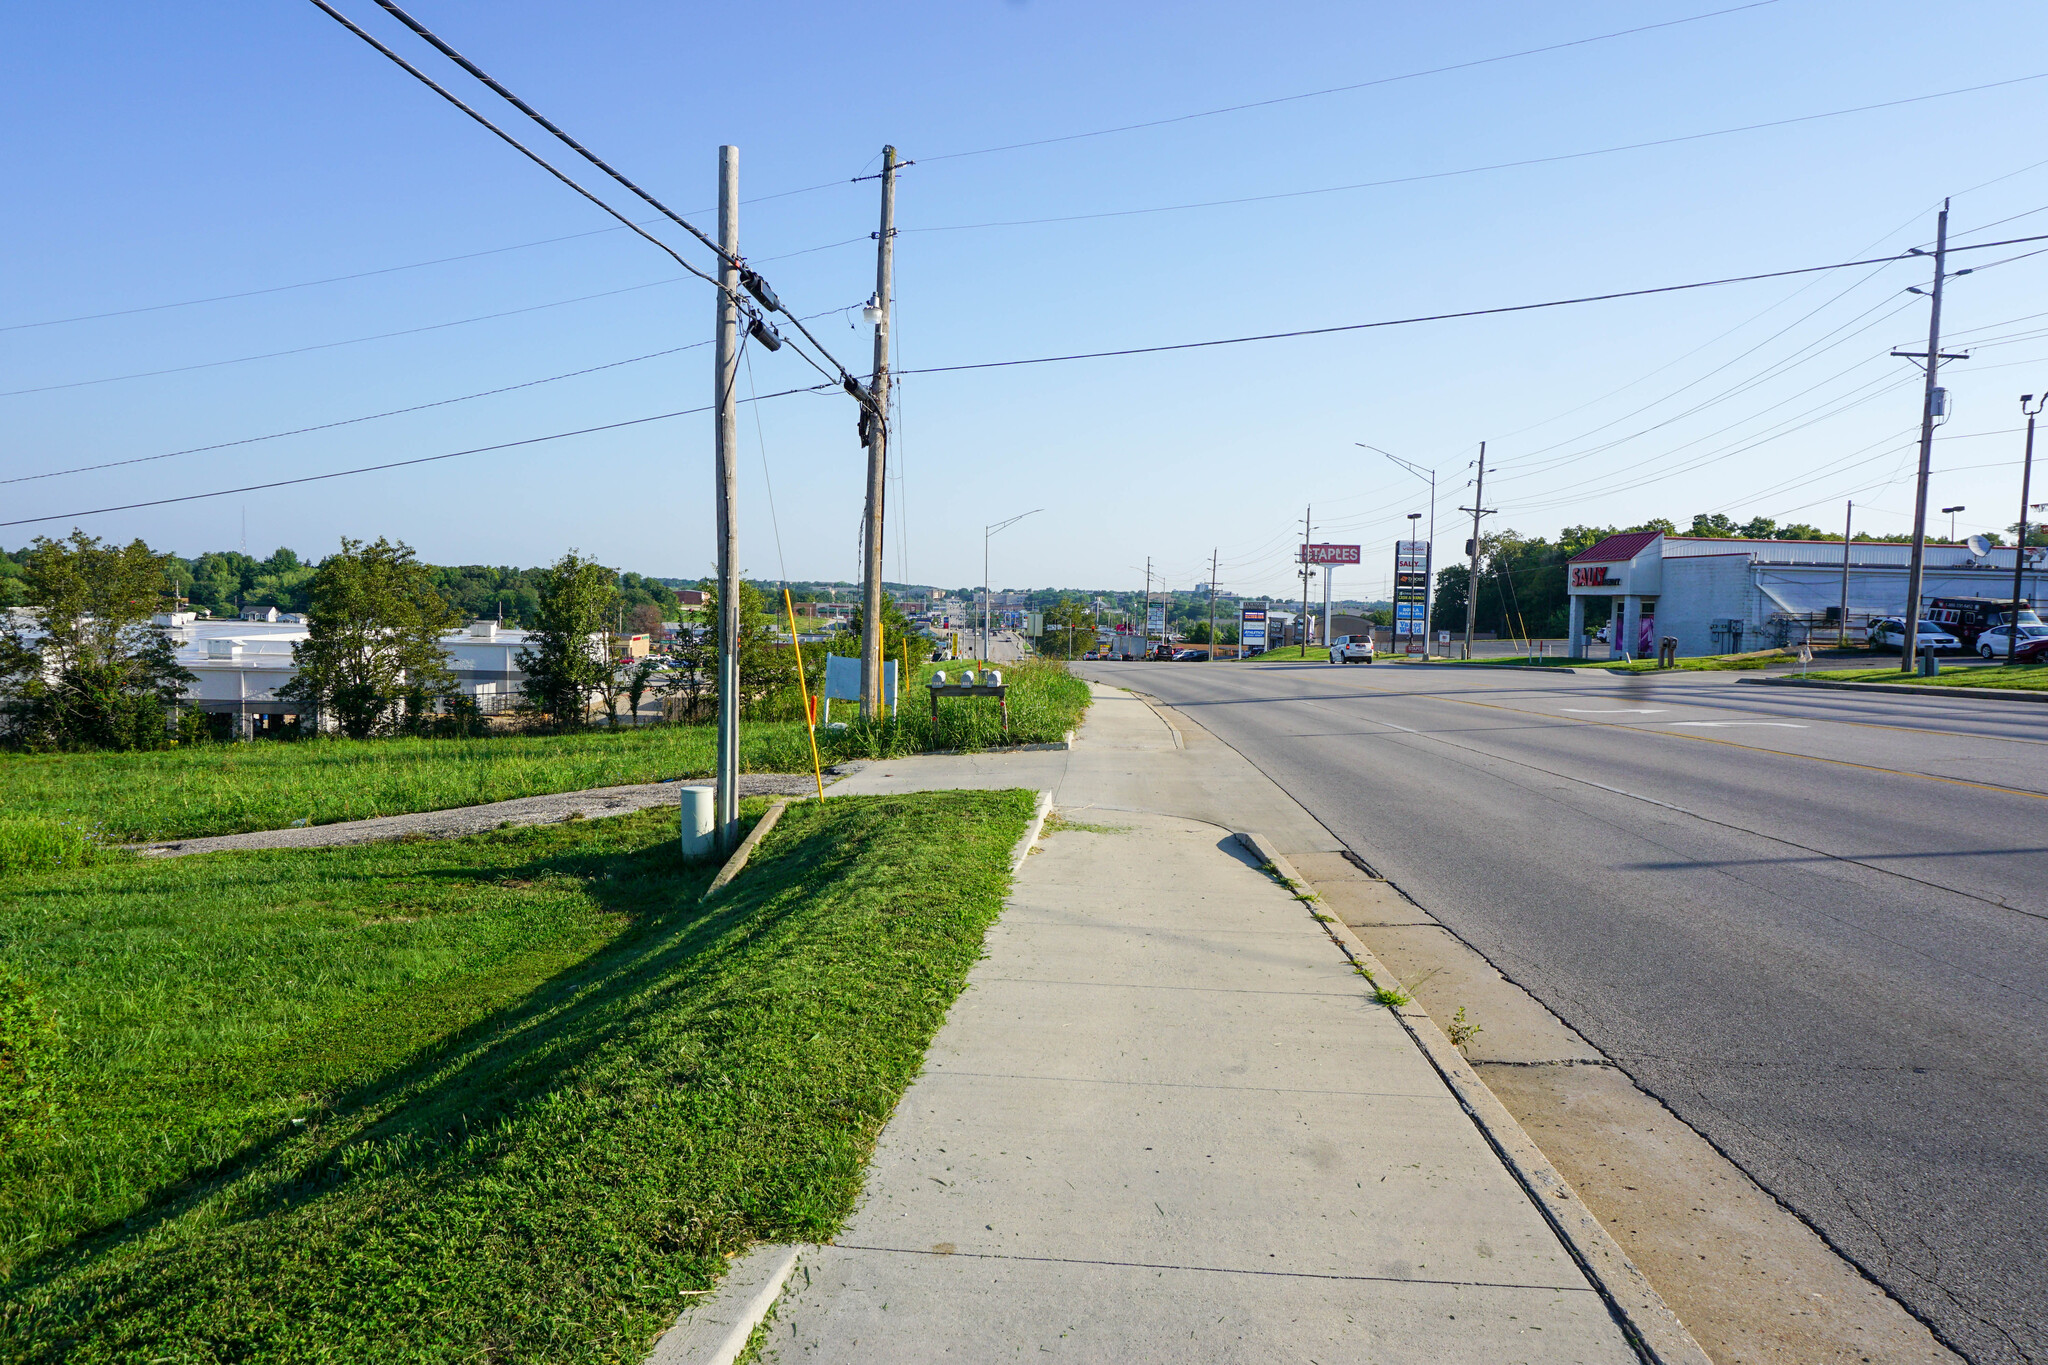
(398, 464)
(330, 345)
(1343, 89)
(366, 417)
(1442, 317)
(511, 141)
(1475, 170)
(523, 107)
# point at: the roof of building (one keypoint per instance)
(1617, 549)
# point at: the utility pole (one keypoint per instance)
(1307, 530)
(1842, 625)
(1215, 654)
(1932, 399)
(1478, 509)
(1148, 604)
(725, 441)
(878, 454)
(2019, 551)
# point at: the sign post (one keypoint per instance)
(1251, 629)
(1328, 556)
(1411, 596)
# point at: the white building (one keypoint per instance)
(240, 665)
(1724, 596)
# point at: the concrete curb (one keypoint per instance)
(716, 1330)
(1031, 833)
(1987, 693)
(738, 861)
(1652, 1328)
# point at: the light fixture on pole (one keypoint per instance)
(2032, 409)
(986, 533)
(872, 311)
(1950, 512)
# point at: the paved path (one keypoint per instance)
(592, 804)
(1166, 1122)
(1814, 924)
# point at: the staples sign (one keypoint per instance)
(1594, 576)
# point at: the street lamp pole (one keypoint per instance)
(1951, 513)
(986, 533)
(2019, 553)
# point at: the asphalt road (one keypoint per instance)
(1814, 924)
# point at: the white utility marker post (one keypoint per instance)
(725, 430)
(878, 455)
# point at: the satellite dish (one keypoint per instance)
(1979, 546)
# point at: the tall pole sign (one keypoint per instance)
(1411, 596)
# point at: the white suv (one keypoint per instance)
(1351, 649)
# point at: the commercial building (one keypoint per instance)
(240, 665)
(1726, 596)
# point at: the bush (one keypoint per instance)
(28, 845)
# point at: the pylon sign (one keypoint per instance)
(1411, 595)
(1329, 554)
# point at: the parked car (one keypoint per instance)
(2034, 651)
(1889, 632)
(1191, 656)
(1351, 649)
(1992, 643)
(1602, 633)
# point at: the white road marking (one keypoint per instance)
(1718, 724)
(1638, 711)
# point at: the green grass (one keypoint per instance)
(229, 788)
(508, 1097)
(2022, 677)
(28, 844)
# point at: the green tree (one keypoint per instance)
(372, 659)
(1070, 629)
(88, 668)
(1713, 526)
(577, 601)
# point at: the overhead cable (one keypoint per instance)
(1343, 89)
(511, 141)
(399, 464)
(1444, 317)
(1474, 170)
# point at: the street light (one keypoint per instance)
(986, 533)
(2019, 552)
(1951, 511)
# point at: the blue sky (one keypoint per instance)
(164, 153)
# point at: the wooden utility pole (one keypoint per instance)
(2019, 554)
(1478, 509)
(725, 442)
(1214, 652)
(878, 454)
(1301, 627)
(1930, 401)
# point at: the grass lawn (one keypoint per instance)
(509, 1097)
(229, 788)
(2026, 677)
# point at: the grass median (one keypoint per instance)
(515, 1096)
(230, 788)
(2021, 677)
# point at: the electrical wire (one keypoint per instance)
(366, 417)
(523, 107)
(511, 141)
(1343, 89)
(1476, 170)
(330, 345)
(1439, 317)
(395, 464)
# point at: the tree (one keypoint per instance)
(577, 597)
(644, 618)
(1067, 620)
(88, 668)
(372, 658)
(1713, 526)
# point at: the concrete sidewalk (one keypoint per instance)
(1166, 1120)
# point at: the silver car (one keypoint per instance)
(1890, 633)
(1351, 649)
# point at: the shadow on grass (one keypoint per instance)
(419, 1115)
